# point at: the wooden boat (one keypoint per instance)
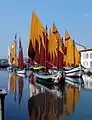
(41, 49)
(20, 69)
(72, 58)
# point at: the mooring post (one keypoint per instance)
(3, 93)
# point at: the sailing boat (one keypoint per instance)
(12, 56)
(72, 58)
(54, 75)
(38, 49)
(20, 69)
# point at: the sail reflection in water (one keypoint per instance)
(21, 86)
(12, 84)
(15, 80)
(72, 97)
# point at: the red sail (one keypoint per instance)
(20, 56)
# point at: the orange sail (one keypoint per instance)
(60, 48)
(72, 55)
(69, 50)
(36, 35)
(13, 54)
(76, 55)
(38, 42)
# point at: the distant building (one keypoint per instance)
(86, 58)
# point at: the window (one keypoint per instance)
(90, 63)
(84, 56)
(87, 63)
(83, 63)
(87, 55)
(90, 55)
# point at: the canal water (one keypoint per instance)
(26, 100)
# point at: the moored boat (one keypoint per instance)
(43, 52)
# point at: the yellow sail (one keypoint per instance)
(72, 55)
(52, 45)
(36, 31)
(69, 50)
(13, 56)
(58, 38)
(77, 57)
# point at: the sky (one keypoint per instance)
(75, 16)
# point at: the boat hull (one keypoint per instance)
(51, 78)
(75, 72)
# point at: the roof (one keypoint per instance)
(84, 50)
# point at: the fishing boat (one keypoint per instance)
(12, 56)
(20, 69)
(41, 50)
(72, 67)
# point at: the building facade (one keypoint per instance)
(86, 58)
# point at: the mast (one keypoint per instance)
(46, 49)
(58, 51)
(74, 51)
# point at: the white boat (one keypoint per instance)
(74, 72)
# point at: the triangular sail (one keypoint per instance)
(20, 56)
(72, 55)
(76, 55)
(9, 55)
(60, 48)
(13, 54)
(36, 34)
(69, 50)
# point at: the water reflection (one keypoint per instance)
(20, 87)
(12, 84)
(72, 97)
(13, 81)
(87, 82)
(51, 103)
